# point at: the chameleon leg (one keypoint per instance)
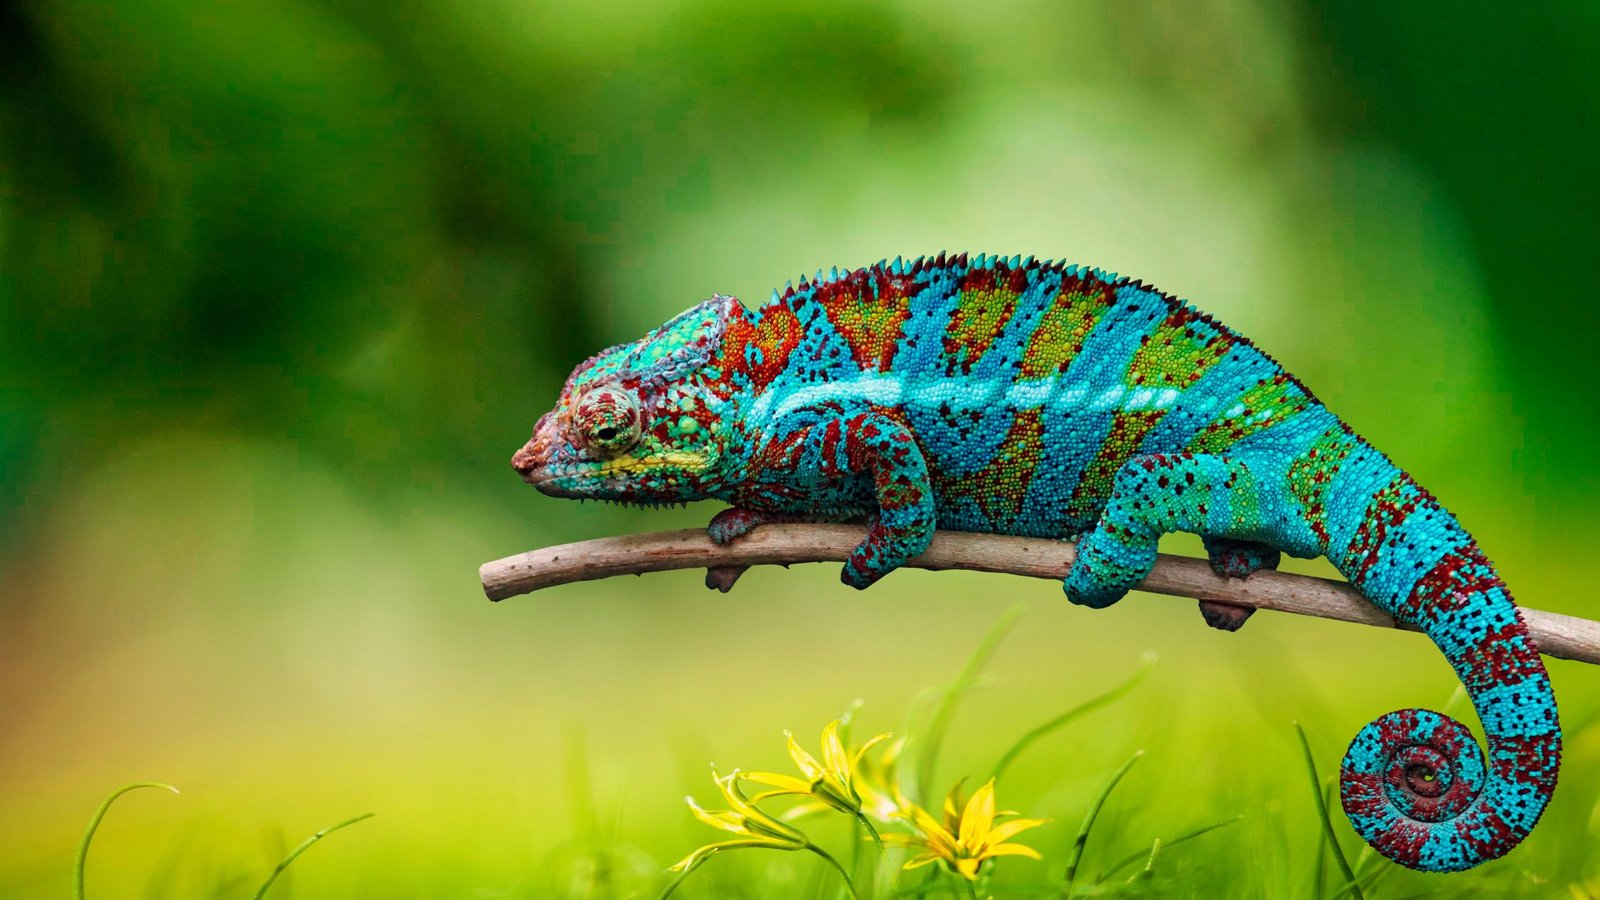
(1151, 496)
(878, 447)
(1232, 558)
(861, 460)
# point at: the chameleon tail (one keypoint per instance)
(1414, 783)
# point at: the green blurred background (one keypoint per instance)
(284, 284)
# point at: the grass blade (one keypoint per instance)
(94, 825)
(1321, 877)
(1087, 706)
(1149, 870)
(1082, 840)
(1365, 881)
(1134, 857)
(1327, 824)
(939, 724)
(304, 846)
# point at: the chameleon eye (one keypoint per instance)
(606, 421)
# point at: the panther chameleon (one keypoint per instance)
(1033, 398)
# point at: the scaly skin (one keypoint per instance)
(1030, 398)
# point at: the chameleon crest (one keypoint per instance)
(1032, 398)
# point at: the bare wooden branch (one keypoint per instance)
(1560, 636)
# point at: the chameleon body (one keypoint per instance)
(1030, 398)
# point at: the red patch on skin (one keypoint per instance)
(775, 336)
(1499, 839)
(869, 308)
(1016, 279)
(1403, 842)
(1448, 586)
(1362, 795)
(1499, 659)
(1388, 509)
(832, 434)
(1533, 760)
(978, 281)
(784, 452)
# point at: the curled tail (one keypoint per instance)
(1415, 783)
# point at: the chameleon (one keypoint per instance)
(1035, 398)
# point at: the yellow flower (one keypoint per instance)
(878, 782)
(831, 781)
(967, 836)
(755, 827)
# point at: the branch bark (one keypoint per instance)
(1559, 636)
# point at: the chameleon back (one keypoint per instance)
(1029, 385)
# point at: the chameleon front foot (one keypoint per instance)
(728, 526)
(721, 578)
(735, 522)
(1231, 558)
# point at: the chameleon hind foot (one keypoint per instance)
(1231, 558)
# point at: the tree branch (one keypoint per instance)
(1560, 636)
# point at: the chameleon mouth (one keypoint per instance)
(548, 481)
(617, 479)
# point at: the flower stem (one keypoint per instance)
(848, 884)
(855, 846)
(673, 884)
(873, 832)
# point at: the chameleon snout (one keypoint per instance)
(531, 459)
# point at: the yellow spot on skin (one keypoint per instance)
(676, 459)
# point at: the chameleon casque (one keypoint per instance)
(1032, 398)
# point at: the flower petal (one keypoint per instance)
(933, 834)
(1012, 850)
(805, 762)
(833, 755)
(872, 742)
(978, 816)
(723, 819)
(785, 783)
(920, 861)
(1006, 830)
(953, 803)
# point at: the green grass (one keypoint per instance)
(260, 894)
(1263, 838)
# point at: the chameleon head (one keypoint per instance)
(643, 422)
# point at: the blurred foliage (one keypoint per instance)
(284, 283)
(1501, 107)
(219, 216)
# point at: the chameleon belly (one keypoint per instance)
(1029, 398)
